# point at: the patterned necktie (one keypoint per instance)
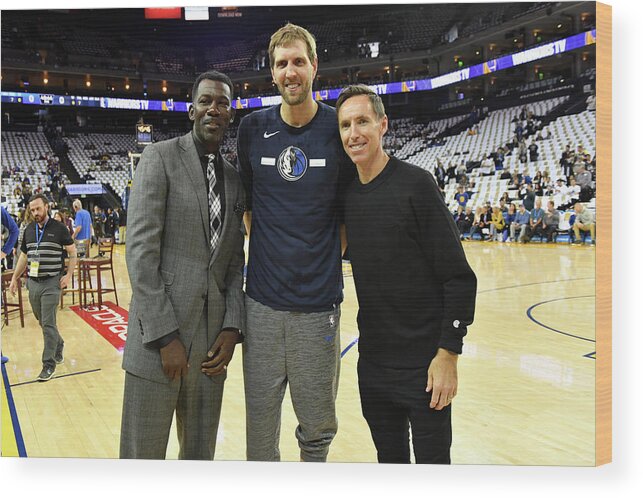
(214, 202)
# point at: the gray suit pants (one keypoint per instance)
(148, 408)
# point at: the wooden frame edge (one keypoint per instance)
(603, 399)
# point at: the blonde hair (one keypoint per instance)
(288, 34)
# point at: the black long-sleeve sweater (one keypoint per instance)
(415, 289)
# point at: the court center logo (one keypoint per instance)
(292, 164)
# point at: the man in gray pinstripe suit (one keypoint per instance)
(186, 272)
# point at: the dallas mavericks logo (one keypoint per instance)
(292, 164)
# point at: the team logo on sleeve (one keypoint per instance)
(292, 164)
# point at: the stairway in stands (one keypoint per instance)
(66, 166)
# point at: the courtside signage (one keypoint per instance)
(108, 320)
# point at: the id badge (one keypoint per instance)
(34, 266)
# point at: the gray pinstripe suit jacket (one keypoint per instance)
(168, 255)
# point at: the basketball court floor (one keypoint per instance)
(526, 376)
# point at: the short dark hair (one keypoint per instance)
(35, 197)
(214, 76)
(354, 90)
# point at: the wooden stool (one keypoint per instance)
(7, 307)
(86, 267)
(106, 249)
(71, 288)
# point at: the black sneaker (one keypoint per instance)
(46, 374)
(58, 357)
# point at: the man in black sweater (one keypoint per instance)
(415, 289)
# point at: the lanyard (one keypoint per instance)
(40, 234)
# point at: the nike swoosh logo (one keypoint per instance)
(268, 135)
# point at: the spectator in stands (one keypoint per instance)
(579, 162)
(461, 173)
(522, 151)
(510, 217)
(482, 223)
(505, 174)
(440, 174)
(519, 130)
(465, 222)
(560, 188)
(584, 223)
(551, 219)
(572, 192)
(502, 204)
(521, 222)
(530, 127)
(487, 168)
(566, 160)
(515, 184)
(498, 224)
(529, 196)
(533, 151)
(83, 229)
(451, 173)
(499, 158)
(535, 221)
(584, 180)
(536, 181)
(546, 185)
(26, 195)
(461, 197)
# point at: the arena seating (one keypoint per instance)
(113, 168)
(24, 150)
(29, 39)
(497, 129)
(407, 137)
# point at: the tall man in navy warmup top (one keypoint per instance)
(415, 289)
(292, 165)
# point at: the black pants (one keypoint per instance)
(393, 398)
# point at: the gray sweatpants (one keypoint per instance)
(44, 297)
(300, 349)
